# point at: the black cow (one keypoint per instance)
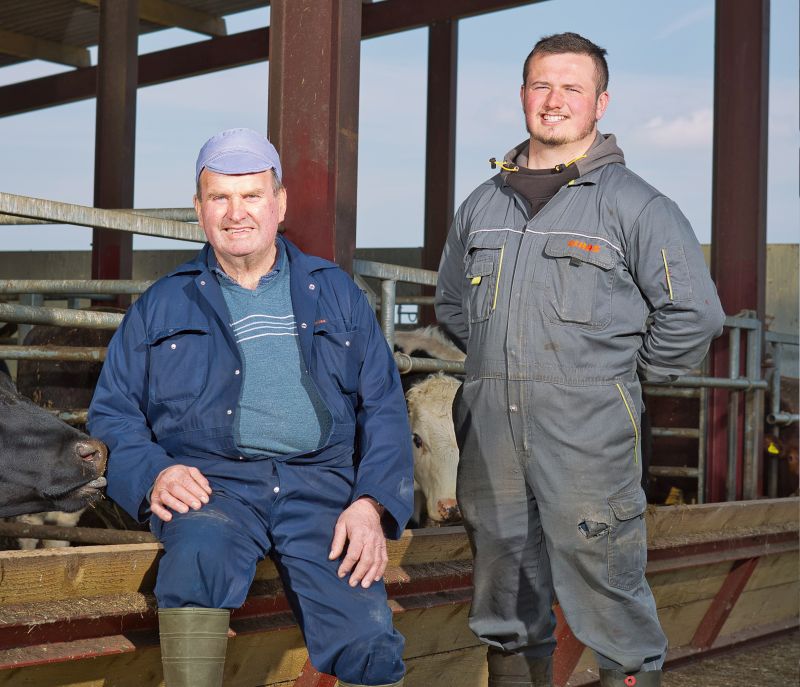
(45, 464)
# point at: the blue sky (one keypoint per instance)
(661, 62)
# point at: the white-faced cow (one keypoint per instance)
(45, 464)
(430, 413)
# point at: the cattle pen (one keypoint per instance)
(723, 574)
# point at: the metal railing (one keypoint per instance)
(170, 223)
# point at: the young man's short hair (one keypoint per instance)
(561, 43)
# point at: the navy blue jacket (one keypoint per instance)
(172, 380)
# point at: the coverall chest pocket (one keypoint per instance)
(483, 263)
(179, 362)
(337, 352)
(580, 281)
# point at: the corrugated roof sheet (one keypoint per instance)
(77, 24)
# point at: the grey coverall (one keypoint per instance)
(561, 314)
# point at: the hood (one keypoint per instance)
(603, 151)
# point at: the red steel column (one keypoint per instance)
(115, 135)
(440, 144)
(314, 53)
(739, 192)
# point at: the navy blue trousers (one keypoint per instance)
(265, 508)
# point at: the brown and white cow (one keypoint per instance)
(430, 402)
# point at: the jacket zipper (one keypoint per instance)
(497, 281)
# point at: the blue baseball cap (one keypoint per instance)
(237, 151)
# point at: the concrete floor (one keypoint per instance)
(771, 664)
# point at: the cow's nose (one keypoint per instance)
(448, 510)
(94, 451)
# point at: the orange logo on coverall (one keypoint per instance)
(591, 248)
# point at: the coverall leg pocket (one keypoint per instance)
(627, 541)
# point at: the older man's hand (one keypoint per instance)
(359, 526)
(180, 488)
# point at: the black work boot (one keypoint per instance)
(517, 670)
(643, 678)
(193, 645)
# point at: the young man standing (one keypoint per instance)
(567, 279)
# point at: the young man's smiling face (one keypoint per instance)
(560, 100)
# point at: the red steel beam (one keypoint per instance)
(739, 195)
(710, 626)
(440, 145)
(313, 120)
(569, 651)
(158, 67)
(115, 135)
(236, 50)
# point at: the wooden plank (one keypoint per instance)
(33, 48)
(170, 14)
(462, 668)
(50, 574)
(681, 587)
(764, 606)
(69, 573)
(723, 603)
(773, 571)
(673, 525)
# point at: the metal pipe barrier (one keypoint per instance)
(751, 385)
(73, 287)
(68, 213)
(175, 214)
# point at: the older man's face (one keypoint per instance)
(240, 214)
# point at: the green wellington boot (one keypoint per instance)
(516, 670)
(339, 683)
(616, 678)
(193, 644)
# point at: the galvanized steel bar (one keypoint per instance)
(68, 213)
(782, 338)
(674, 471)
(660, 391)
(772, 469)
(86, 287)
(734, 336)
(79, 353)
(174, 214)
(406, 363)
(382, 270)
(716, 383)
(679, 432)
(753, 419)
(783, 419)
(388, 290)
(702, 445)
(59, 316)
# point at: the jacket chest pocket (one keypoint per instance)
(337, 352)
(483, 264)
(580, 281)
(179, 361)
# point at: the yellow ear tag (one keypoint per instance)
(772, 448)
(476, 280)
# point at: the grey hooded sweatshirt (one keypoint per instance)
(605, 281)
